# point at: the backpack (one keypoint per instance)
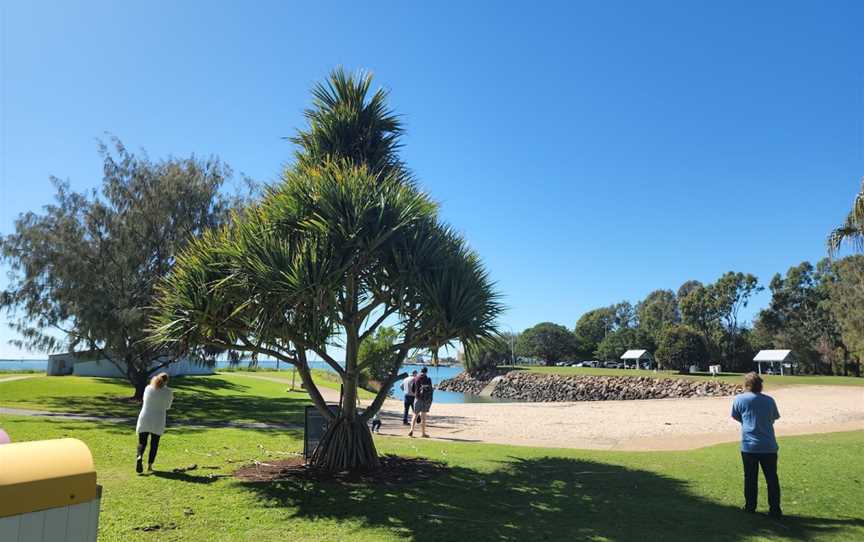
(424, 389)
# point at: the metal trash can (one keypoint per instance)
(48, 492)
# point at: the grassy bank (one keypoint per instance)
(490, 492)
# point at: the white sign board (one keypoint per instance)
(714, 370)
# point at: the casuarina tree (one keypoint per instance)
(345, 242)
(83, 271)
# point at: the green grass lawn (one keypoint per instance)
(323, 379)
(232, 396)
(491, 492)
(770, 380)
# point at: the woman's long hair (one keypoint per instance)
(159, 380)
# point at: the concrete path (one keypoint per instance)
(13, 378)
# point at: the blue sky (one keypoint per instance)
(591, 152)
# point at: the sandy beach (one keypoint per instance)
(663, 424)
(658, 424)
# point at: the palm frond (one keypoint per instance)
(852, 230)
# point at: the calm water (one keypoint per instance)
(437, 374)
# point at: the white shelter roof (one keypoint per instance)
(634, 354)
(773, 355)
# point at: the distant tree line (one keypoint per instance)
(818, 312)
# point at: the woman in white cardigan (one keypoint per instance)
(151, 421)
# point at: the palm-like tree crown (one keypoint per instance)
(346, 123)
(329, 247)
(852, 230)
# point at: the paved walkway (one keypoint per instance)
(12, 378)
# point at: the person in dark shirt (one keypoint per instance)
(756, 412)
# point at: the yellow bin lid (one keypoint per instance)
(44, 474)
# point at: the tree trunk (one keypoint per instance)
(346, 446)
(140, 381)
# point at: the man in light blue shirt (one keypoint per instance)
(756, 413)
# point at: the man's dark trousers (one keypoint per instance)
(751, 480)
(409, 403)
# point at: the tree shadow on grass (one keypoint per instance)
(204, 401)
(539, 499)
(185, 477)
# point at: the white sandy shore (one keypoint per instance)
(660, 424)
(664, 424)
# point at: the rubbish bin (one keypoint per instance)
(48, 492)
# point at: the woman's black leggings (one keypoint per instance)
(154, 445)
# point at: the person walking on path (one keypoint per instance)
(423, 391)
(756, 412)
(408, 390)
(151, 421)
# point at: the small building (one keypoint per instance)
(91, 363)
(638, 358)
(775, 362)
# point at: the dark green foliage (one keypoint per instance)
(685, 289)
(619, 341)
(548, 342)
(713, 310)
(376, 354)
(681, 346)
(799, 318)
(83, 272)
(490, 354)
(592, 328)
(658, 311)
(844, 282)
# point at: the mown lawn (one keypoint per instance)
(770, 380)
(491, 492)
(236, 397)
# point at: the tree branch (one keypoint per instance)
(386, 385)
(329, 360)
(312, 389)
(377, 322)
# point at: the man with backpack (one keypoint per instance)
(423, 391)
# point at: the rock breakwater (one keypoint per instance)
(536, 387)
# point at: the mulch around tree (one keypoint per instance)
(394, 470)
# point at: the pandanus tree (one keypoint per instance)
(852, 230)
(341, 246)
